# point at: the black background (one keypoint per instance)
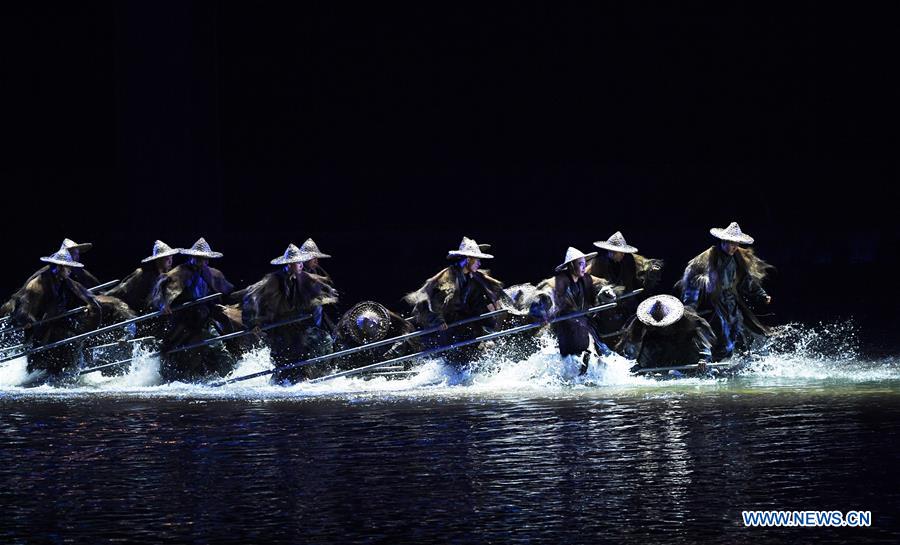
(389, 132)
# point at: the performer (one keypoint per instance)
(626, 270)
(459, 291)
(370, 322)
(721, 282)
(50, 294)
(573, 290)
(188, 282)
(665, 333)
(136, 288)
(80, 275)
(285, 294)
(313, 266)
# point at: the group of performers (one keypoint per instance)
(712, 319)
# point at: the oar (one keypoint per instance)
(104, 329)
(682, 368)
(401, 338)
(354, 350)
(66, 314)
(207, 342)
(459, 344)
(125, 341)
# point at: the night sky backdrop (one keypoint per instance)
(387, 132)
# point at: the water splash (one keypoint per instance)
(797, 356)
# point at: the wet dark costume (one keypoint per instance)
(685, 342)
(137, 287)
(632, 272)
(47, 295)
(450, 296)
(561, 295)
(183, 284)
(721, 287)
(281, 296)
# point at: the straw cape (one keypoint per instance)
(616, 243)
(293, 254)
(62, 257)
(201, 249)
(470, 248)
(572, 254)
(732, 233)
(312, 248)
(660, 310)
(160, 249)
(70, 244)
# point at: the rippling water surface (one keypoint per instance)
(518, 452)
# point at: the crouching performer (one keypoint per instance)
(183, 284)
(285, 294)
(573, 290)
(369, 322)
(459, 291)
(49, 294)
(721, 284)
(665, 333)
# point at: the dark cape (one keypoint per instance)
(45, 296)
(136, 288)
(686, 342)
(183, 284)
(78, 274)
(721, 288)
(280, 296)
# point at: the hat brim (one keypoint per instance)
(195, 253)
(167, 253)
(478, 255)
(722, 235)
(613, 248)
(75, 264)
(82, 248)
(676, 310)
(288, 260)
(316, 255)
(587, 257)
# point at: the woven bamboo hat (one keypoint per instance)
(572, 254)
(70, 244)
(367, 322)
(201, 249)
(660, 310)
(160, 249)
(293, 254)
(312, 248)
(616, 243)
(62, 257)
(732, 233)
(470, 248)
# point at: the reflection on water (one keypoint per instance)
(659, 468)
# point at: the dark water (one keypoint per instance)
(651, 464)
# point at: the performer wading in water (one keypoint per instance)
(459, 291)
(721, 283)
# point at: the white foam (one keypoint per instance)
(798, 357)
